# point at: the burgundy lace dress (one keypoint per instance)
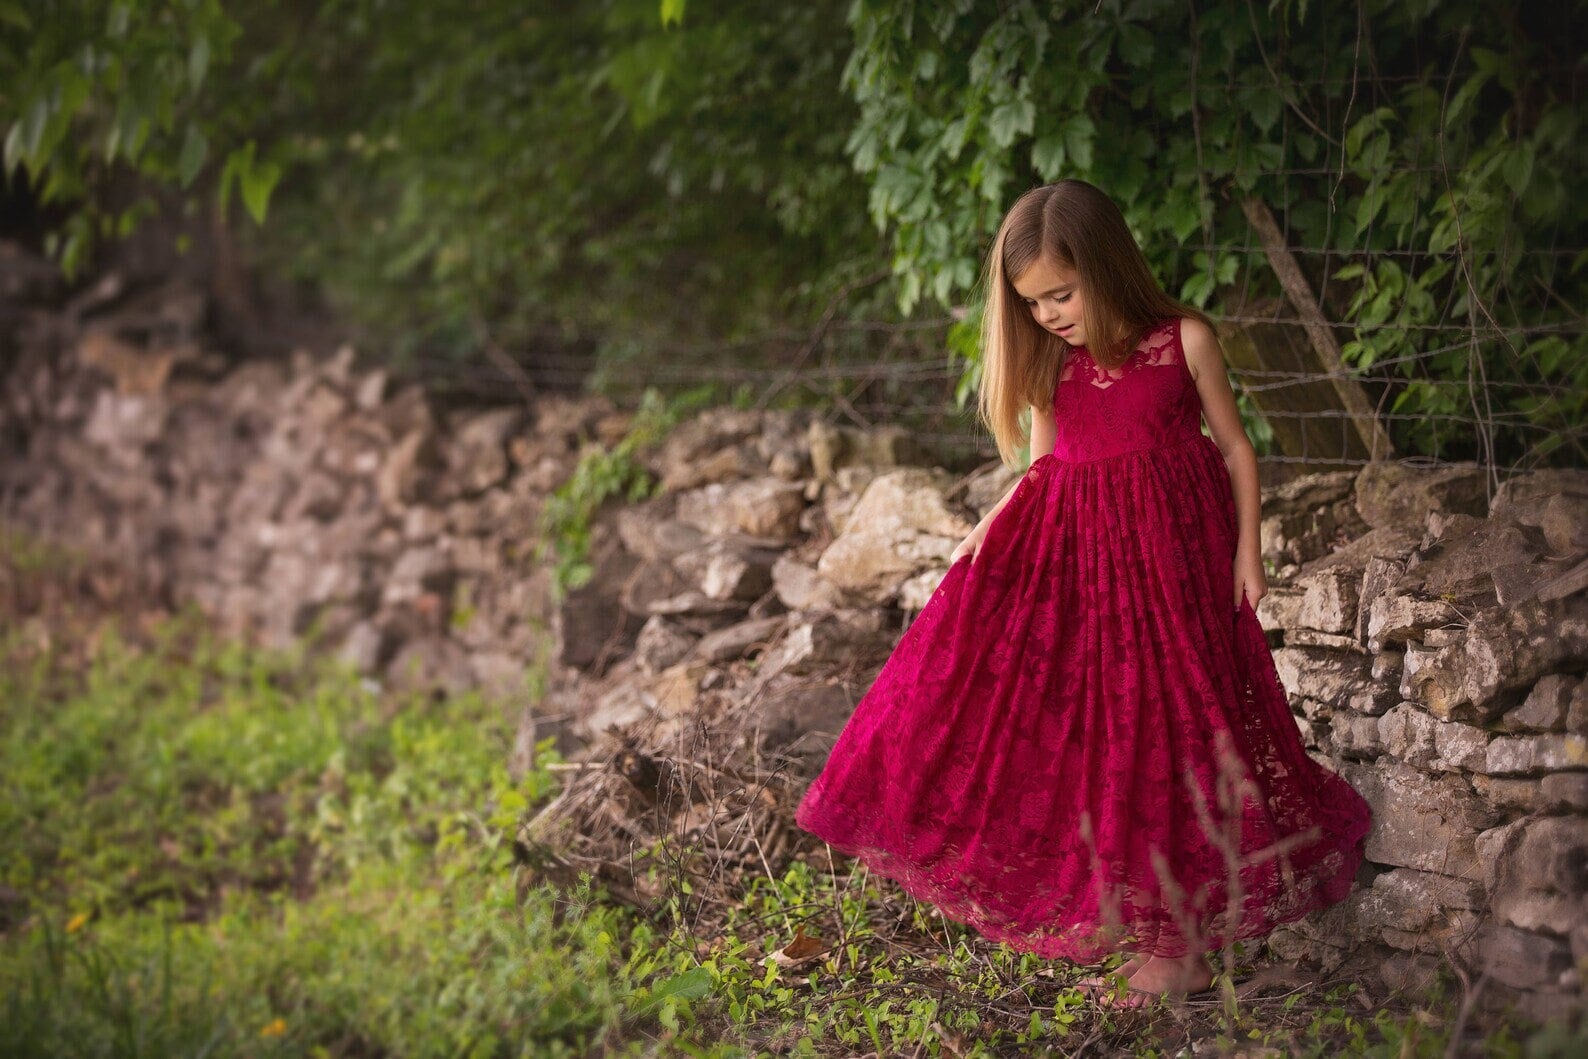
(1080, 744)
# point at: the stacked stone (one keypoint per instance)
(302, 499)
(1435, 641)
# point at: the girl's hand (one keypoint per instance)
(1250, 579)
(970, 546)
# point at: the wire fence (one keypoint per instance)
(916, 390)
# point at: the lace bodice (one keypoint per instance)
(1148, 401)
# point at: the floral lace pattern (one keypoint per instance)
(1079, 746)
(1156, 348)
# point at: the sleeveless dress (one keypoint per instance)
(1081, 744)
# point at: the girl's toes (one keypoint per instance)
(1130, 998)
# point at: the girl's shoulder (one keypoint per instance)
(1192, 331)
(1199, 346)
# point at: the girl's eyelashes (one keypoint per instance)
(1060, 301)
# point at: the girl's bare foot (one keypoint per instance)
(1176, 976)
(1098, 982)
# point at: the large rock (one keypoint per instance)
(800, 587)
(901, 527)
(1522, 959)
(1411, 900)
(1342, 681)
(1334, 591)
(431, 662)
(591, 627)
(740, 639)
(1502, 653)
(1547, 705)
(1553, 501)
(798, 719)
(1390, 493)
(652, 588)
(661, 642)
(409, 471)
(1420, 821)
(122, 424)
(715, 446)
(729, 568)
(1540, 752)
(827, 644)
(648, 532)
(758, 507)
(476, 452)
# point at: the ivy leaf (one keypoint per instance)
(15, 14)
(1079, 132)
(13, 149)
(1368, 207)
(1047, 156)
(955, 133)
(1264, 105)
(255, 180)
(1463, 96)
(1182, 215)
(1495, 65)
(1011, 119)
(688, 985)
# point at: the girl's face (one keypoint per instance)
(1052, 294)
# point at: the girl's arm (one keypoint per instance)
(1043, 431)
(1205, 360)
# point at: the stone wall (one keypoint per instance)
(1434, 643)
(1434, 640)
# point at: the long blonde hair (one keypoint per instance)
(1076, 225)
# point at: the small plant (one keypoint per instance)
(599, 475)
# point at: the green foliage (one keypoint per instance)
(457, 174)
(227, 851)
(1433, 146)
(602, 474)
(90, 84)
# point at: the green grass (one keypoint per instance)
(217, 851)
(210, 850)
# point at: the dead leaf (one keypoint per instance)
(802, 948)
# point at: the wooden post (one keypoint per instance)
(1310, 351)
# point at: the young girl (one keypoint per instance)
(1081, 745)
